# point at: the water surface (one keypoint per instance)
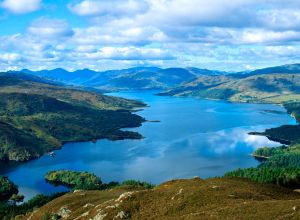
(193, 138)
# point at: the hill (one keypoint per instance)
(138, 78)
(288, 68)
(263, 88)
(37, 117)
(217, 198)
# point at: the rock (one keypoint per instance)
(295, 208)
(99, 216)
(124, 196)
(177, 194)
(88, 205)
(64, 212)
(120, 215)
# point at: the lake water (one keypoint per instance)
(193, 138)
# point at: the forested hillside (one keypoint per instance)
(37, 117)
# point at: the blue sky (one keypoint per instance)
(230, 35)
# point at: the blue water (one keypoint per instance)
(194, 138)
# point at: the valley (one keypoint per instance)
(215, 137)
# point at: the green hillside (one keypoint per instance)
(37, 117)
(265, 88)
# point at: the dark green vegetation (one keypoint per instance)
(282, 164)
(287, 134)
(9, 211)
(217, 198)
(87, 181)
(37, 117)
(74, 180)
(288, 177)
(7, 189)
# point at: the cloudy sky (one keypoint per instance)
(113, 34)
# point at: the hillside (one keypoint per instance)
(9, 83)
(37, 117)
(265, 88)
(138, 78)
(217, 198)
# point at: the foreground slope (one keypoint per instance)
(37, 117)
(218, 198)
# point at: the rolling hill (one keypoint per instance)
(261, 88)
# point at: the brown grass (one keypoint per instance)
(218, 198)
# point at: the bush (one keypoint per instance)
(138, 183)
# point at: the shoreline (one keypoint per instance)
(15, 163)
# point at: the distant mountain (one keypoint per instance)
(132, 78)
(147, 78)
(289, 68)
(61, 75)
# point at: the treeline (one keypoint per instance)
(288, 177)
(286, 134)
(269, 151)
(282, 167)
(294, 109)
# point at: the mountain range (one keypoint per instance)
(133, 78)
(179, 80)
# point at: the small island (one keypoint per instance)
(74, 180)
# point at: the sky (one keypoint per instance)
(227, 35)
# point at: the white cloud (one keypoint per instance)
(112, 7)
(132, 53)
(21, 6)
(218, 34)
(50, 28)
(10, 57)
(118, 34)
(265, 36)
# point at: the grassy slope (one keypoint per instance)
(12, 84)
(218, 198)
(264, 88)
(37, 117)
